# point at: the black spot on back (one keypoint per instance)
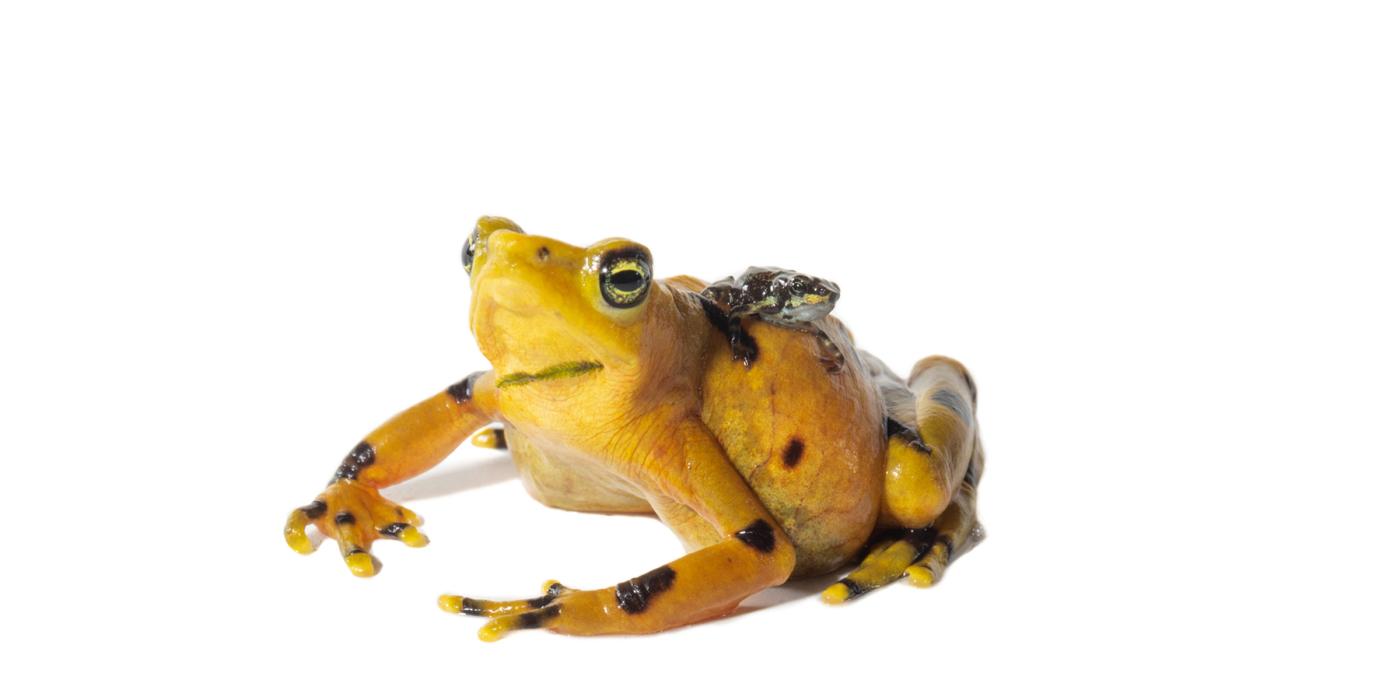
(634, 595)
(792, 454)
(759, 535)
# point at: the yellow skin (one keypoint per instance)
(615, 392)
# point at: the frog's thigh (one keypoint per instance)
(926, 460)
(928, 511)
(571, 484)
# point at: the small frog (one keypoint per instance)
(779, 296)
(616, 392)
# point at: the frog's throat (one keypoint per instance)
(559, 371)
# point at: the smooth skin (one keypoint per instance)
(616, 392)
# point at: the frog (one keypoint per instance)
(776, 295)
(616, 392)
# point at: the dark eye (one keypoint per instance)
(625, 278)
(469, 249)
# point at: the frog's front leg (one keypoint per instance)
(352, 512)
(753, 553)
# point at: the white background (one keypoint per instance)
(1161, 235)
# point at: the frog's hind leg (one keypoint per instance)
(928, 512)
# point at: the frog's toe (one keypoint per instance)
(354, 516)
(460, 605)
(543, 618)
(295, 529)
(744, 348)
(891, 561)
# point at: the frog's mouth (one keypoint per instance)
(559, 371)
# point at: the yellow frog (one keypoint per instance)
(618, 393)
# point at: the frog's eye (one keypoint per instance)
(625, 277)
(469, 249)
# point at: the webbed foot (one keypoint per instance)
(353, 515)
(530, 613)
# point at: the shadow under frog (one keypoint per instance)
(616, 392)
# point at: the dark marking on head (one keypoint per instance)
(954, 402)
(393, 530)
(634, 595)
(542, 253)
(314, 510)
(759, 535)
(536, 618)
(344, 517)
(359, 458)
(792, 454)
(461, 392)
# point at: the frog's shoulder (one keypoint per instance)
(685, 282)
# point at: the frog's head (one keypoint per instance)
(809, 298)
(544, 309)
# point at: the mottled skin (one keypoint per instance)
(784, 297)
(616, 392)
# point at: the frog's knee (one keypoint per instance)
(916, 482)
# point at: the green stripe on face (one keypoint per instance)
(559, 371)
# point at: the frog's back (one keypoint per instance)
(810, 443)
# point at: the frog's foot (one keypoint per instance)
(353, 515)
(530, 613)
(922, 555)
(741, 344)
(887, 562)
(490, 438)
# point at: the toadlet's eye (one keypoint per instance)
(625, 277)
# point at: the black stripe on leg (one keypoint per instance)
(536, 618)
(314, 510)
(759, 535)
(359, 458)
(855, 590)
(499, 435)
(344, 517)
(461, 392)
(954, 402)
(634, 595)
(393, 530)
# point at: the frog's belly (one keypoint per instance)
(810, 444)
